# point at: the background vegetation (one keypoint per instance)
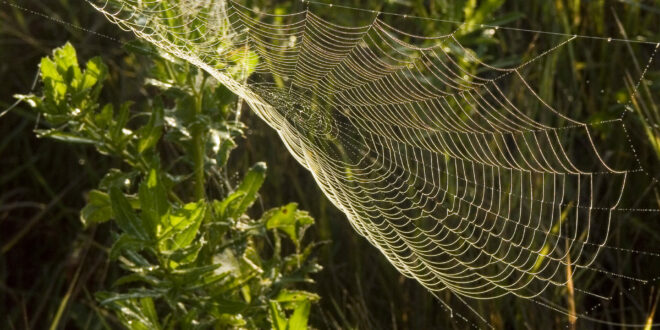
(50, 266)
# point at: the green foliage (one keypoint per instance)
(360, 288)
(67, 89)
(246, 193)
(290, 220)
(204, 263)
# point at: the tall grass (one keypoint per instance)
(49, 266)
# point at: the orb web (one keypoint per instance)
(462, 186)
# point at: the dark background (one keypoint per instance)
(50, 266)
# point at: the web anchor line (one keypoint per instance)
(608, 39)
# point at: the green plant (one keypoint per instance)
(359, 287)
(191, 261)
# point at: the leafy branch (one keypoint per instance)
(204, 263)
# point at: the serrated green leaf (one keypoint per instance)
(277, 318)
(64, 136)
(66, 61)
(136, 277)
(298, 320)
(193, 274)
(104, 118)
(124, 215)
(54, 85)
(48, 70)
(245, 292)
(180, 226)
(151, 133)
(185, 255)
(95, 72)
(138, 293)
(149, 310)
(303, 218)
(134, 261)
(230, 306)
(115, 177)
(133, 312)
(60, 72)
(247, 190)
(97, 210)
(284, 219)
(153, 202)
(117, 127)
(229, 321)
(287, 296)
(222, 145)
(127, 242)
(220, 207)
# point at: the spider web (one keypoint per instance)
(462, 185)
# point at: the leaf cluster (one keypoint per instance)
(188, 262)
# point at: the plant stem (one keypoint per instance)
(198, 151)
